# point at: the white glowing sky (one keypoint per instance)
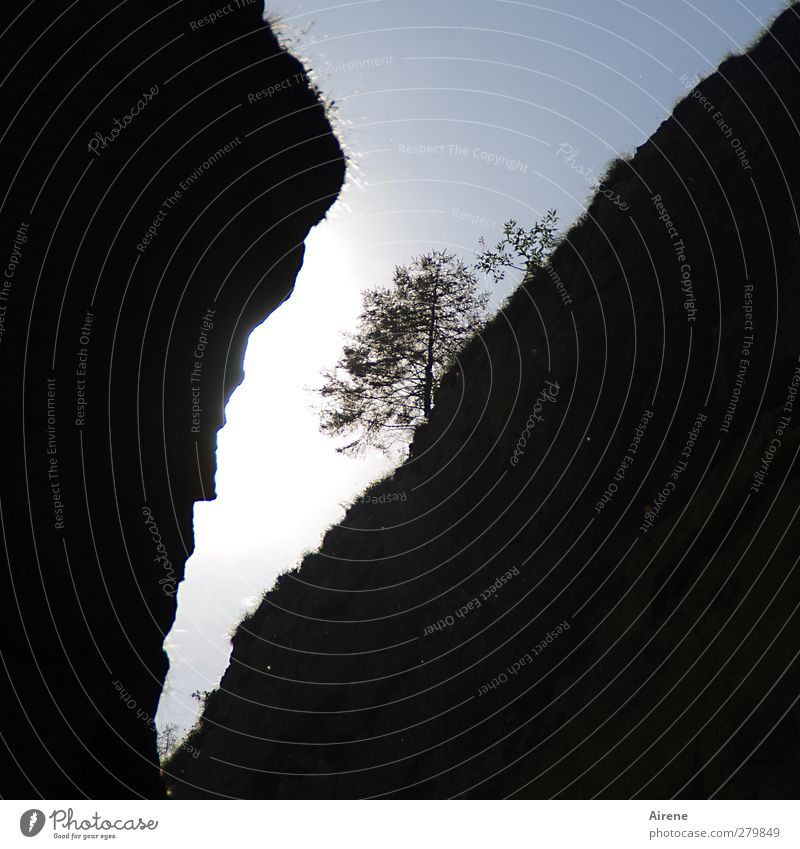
(279, 483)
(509, 78)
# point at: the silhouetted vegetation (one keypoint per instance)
(524, 250)
(167, 740)
(407, 337)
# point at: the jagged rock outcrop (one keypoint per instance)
(164, 164)
(590, 587)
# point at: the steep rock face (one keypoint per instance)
(612, 611)
(171, 162)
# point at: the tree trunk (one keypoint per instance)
(428, 390)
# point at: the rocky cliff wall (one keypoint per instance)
(590, 587)
(164, 164)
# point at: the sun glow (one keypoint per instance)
(280, 482)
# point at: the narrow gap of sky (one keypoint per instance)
(453, 113)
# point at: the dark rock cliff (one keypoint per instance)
(163, 168)
(612, 609)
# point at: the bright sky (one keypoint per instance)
(453, 112)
